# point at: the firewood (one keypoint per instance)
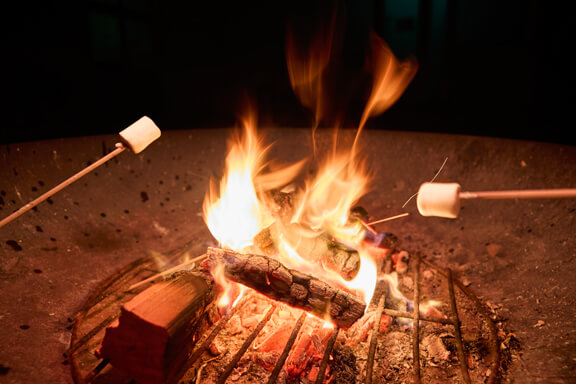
(271, 278)
(155, 330)
(320, 249)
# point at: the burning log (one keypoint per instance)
(331, 255)
(269, 277)
(155, 330)
(320, 249)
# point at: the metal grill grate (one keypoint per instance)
(103, 308)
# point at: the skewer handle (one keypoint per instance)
(119, 149)
(443, 199)
(521, 194)
(136, 137)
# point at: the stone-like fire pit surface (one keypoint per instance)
(518, 257)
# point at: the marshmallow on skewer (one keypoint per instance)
(136, 137)
(439, 199)
(443, 199)
(140, 134)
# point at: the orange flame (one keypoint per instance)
(327, 200)
(233, 212)
(234, 209)
(306, 68)
(364, 283)
(391, 78)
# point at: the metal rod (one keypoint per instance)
(119, 149)
(410, 315)
(282, 359)
(106, 290)
(521, 194)
(459, 345)
(494, 345)
(416, 325)
(230, 367)
(374, 339)
(388, 219)
(96, 371)
(205, 341)
(211, 336)
(326, 357)
(88, 336)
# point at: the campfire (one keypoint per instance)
(299, 286)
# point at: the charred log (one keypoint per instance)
(155, 330)
(269, 277)
(320, 249)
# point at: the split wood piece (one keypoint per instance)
(154, 333)
(319, 249)
(269, 277)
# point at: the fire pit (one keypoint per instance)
(310, 253)
(250, 347)
(498, 255)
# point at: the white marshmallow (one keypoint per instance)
(439, 199)
(140, 134)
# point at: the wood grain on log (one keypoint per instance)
(271, 278)
(154, 332)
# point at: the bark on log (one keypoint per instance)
(269, 277)
(154, 333)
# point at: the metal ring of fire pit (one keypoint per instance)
(103, 307)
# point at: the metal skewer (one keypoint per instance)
(119, 149)
(136, 137)
(443, 199)
(521, 194)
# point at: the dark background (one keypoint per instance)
(75, 68)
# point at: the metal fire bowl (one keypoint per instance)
(518, 255)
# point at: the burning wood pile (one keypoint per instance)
(421, 325)
(302, 289)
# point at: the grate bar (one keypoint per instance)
(374, 339)
(230, 367)
(458, 333)
(495, 363)
(291, 340)
(96, 371)
(326, 357)
(416, 323)
(205, 343)
(125, 274)
(87, 337)
(410, 315)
